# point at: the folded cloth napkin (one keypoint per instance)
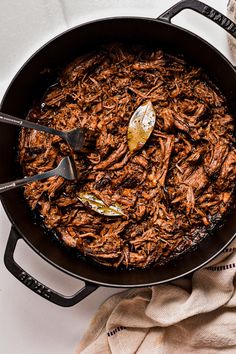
(232, 40)
(196, 315)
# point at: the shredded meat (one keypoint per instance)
(172, 191)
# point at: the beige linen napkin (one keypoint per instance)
(231, 40)
(195, 315)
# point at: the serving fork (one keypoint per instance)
(79, 139)
(66, 169)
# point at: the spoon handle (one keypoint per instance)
(6, 118)
(23, 181)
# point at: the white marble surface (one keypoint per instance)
(28, 323)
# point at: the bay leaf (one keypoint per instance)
(96, 204)
(141, 126)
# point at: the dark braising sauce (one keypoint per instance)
(173, 191)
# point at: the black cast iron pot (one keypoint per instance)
(32, 80)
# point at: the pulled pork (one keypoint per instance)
(172, 191)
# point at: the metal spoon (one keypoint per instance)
(79, 139)
(65, 169)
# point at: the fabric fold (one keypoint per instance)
(196, 315)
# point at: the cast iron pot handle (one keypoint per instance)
(34, 284)
(202, 9)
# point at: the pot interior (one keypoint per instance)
(37, 75)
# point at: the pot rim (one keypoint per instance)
(108, 19)
(19, 71)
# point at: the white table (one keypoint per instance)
(28, 323)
